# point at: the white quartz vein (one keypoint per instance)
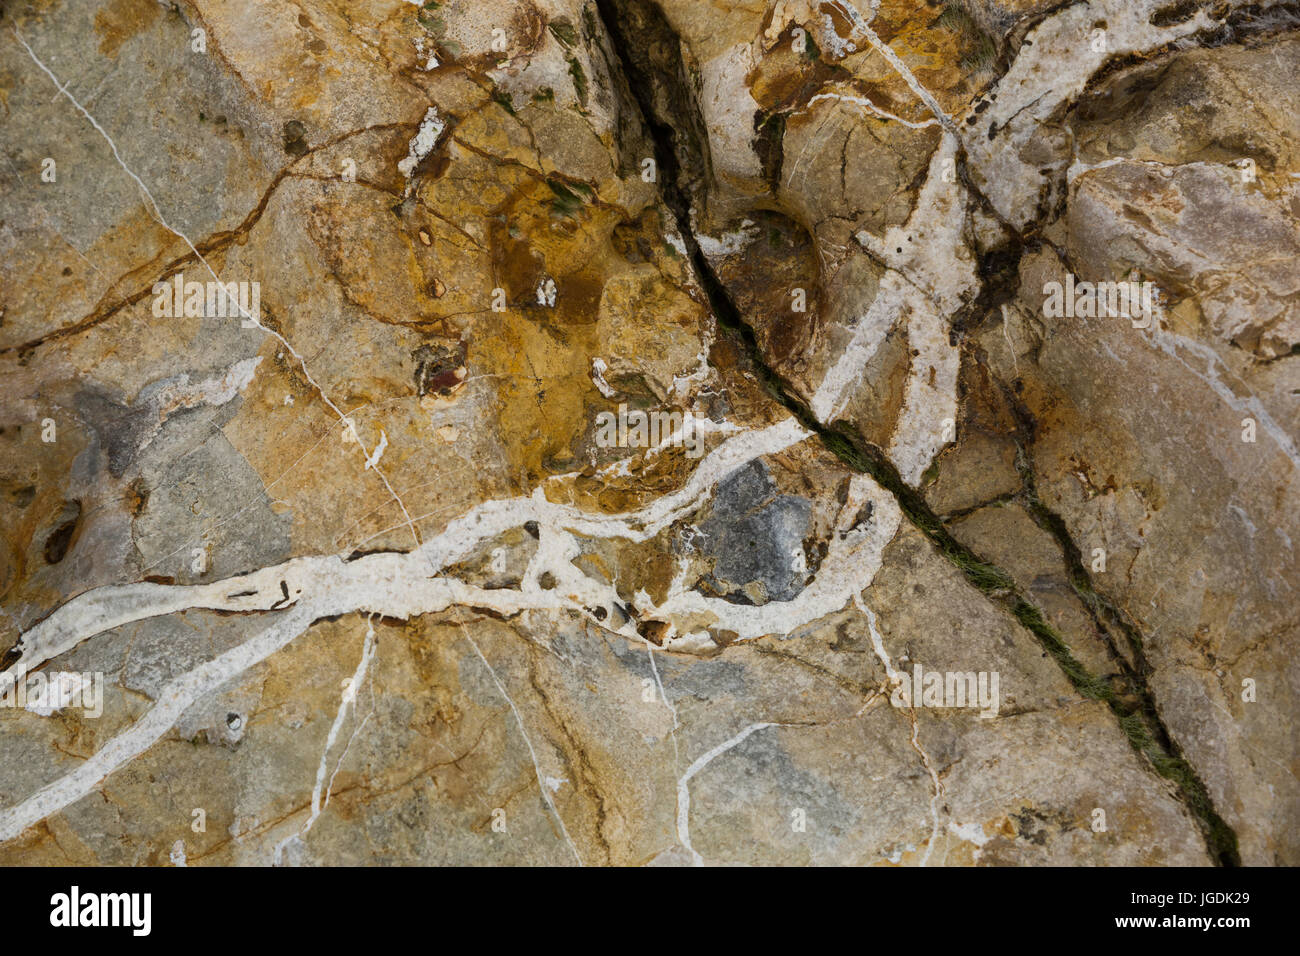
(400, 585)
(1172, 344)
(930, 273)
(684, 789)
(861, 26)
(928, 280)
(1052, 68)
(320, 794)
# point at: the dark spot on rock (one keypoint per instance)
(60, 540)
(769, 145)
(120, 429)
(295, 143)
(755, 536)
(653, 631)
(359, 553)
(439, 369)
(136, 497)
(10, 656)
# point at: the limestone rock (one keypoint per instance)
(636, 432)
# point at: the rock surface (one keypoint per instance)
(572, 431)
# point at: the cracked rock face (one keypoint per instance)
(649, 432)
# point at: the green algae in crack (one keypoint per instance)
(568, 198)
(1089, 685)
(1145, 728)
(979, 57)
(429, 19)
(979, 52)
(563, 31)
(503, 100)
(579, 79)
(1141, 727)
(1142, 724)
(810, 49)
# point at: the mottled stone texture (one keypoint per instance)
(352, 573)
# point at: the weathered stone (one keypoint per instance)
(361, 576)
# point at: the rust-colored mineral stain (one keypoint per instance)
(120, 20)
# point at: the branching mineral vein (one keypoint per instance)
(929, 274)
(156, 212)
(405, 585)
(1053, 68)
(684, 789)
(322, 789)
